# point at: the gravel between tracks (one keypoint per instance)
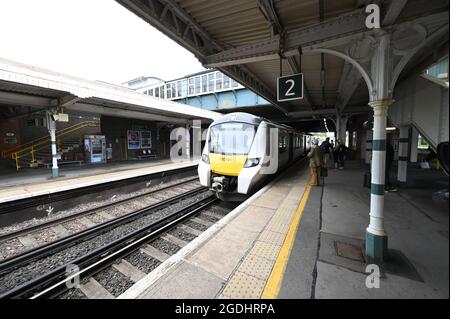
(41, 266)
(113, 281)
(195, 225)
(179, 233)
(142, 261)
(165, 246)
(91, 205)
(73, 294)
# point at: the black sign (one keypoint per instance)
(290, 87)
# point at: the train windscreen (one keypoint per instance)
(231, 138)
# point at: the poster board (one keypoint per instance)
(134, 140)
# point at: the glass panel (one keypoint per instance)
(179, 88)
(173, 88)
(231, 138)
(234, 84)
(151, 92)
(204, 83)
(157, 92)
(226, 82)
(191, 86)
(211, 82)
(218, 81)
(197, 85)
(184, 88)
(162, 91)
(169, 93)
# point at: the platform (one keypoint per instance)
(233, 258)
(327, 260)
(37, 182)
(282, 242)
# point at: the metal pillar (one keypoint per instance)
(376, 237)
(414, 143)
(368, 157)
(403, 156)
(52, 130)
(341, 127)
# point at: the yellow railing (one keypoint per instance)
(45, 139)
(30, 148)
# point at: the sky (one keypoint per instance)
(92, 39)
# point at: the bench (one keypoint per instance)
(148, 155)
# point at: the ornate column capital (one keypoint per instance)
(384, 103)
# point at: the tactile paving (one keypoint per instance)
(272, 237)
(266, 250)
(243, 286)
(257, 266)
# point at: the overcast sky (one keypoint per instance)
(93, 39)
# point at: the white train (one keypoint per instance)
(243, 150)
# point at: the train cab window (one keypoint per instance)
(231, 138)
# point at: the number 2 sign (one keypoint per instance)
(290, 87)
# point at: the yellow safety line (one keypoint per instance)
(273, 285)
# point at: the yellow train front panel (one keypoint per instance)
(229, 165)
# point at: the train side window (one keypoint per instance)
(282, 143)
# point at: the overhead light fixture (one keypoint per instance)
(391, 128)
(325, 123)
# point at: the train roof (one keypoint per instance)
(247, 118)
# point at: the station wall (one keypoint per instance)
(123, 135)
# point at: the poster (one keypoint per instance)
(133, 140)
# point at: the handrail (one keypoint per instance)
(25, 148)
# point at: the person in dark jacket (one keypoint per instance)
(339, 153)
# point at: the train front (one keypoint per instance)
(231, 159)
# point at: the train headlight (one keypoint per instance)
(205, 158)
(251, 162)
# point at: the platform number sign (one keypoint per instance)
(290, 87)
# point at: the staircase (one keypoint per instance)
(423, 104)
(69, 141)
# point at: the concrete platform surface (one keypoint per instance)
(337, 215)
(35, 183)
(234, 258)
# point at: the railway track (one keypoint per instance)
(30, 237)
(123, 261)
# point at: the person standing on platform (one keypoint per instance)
(325, 148)
(339, 154)
(315, 162)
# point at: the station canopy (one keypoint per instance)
(34, 89)
(245, 39)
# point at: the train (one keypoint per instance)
(242, 151)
